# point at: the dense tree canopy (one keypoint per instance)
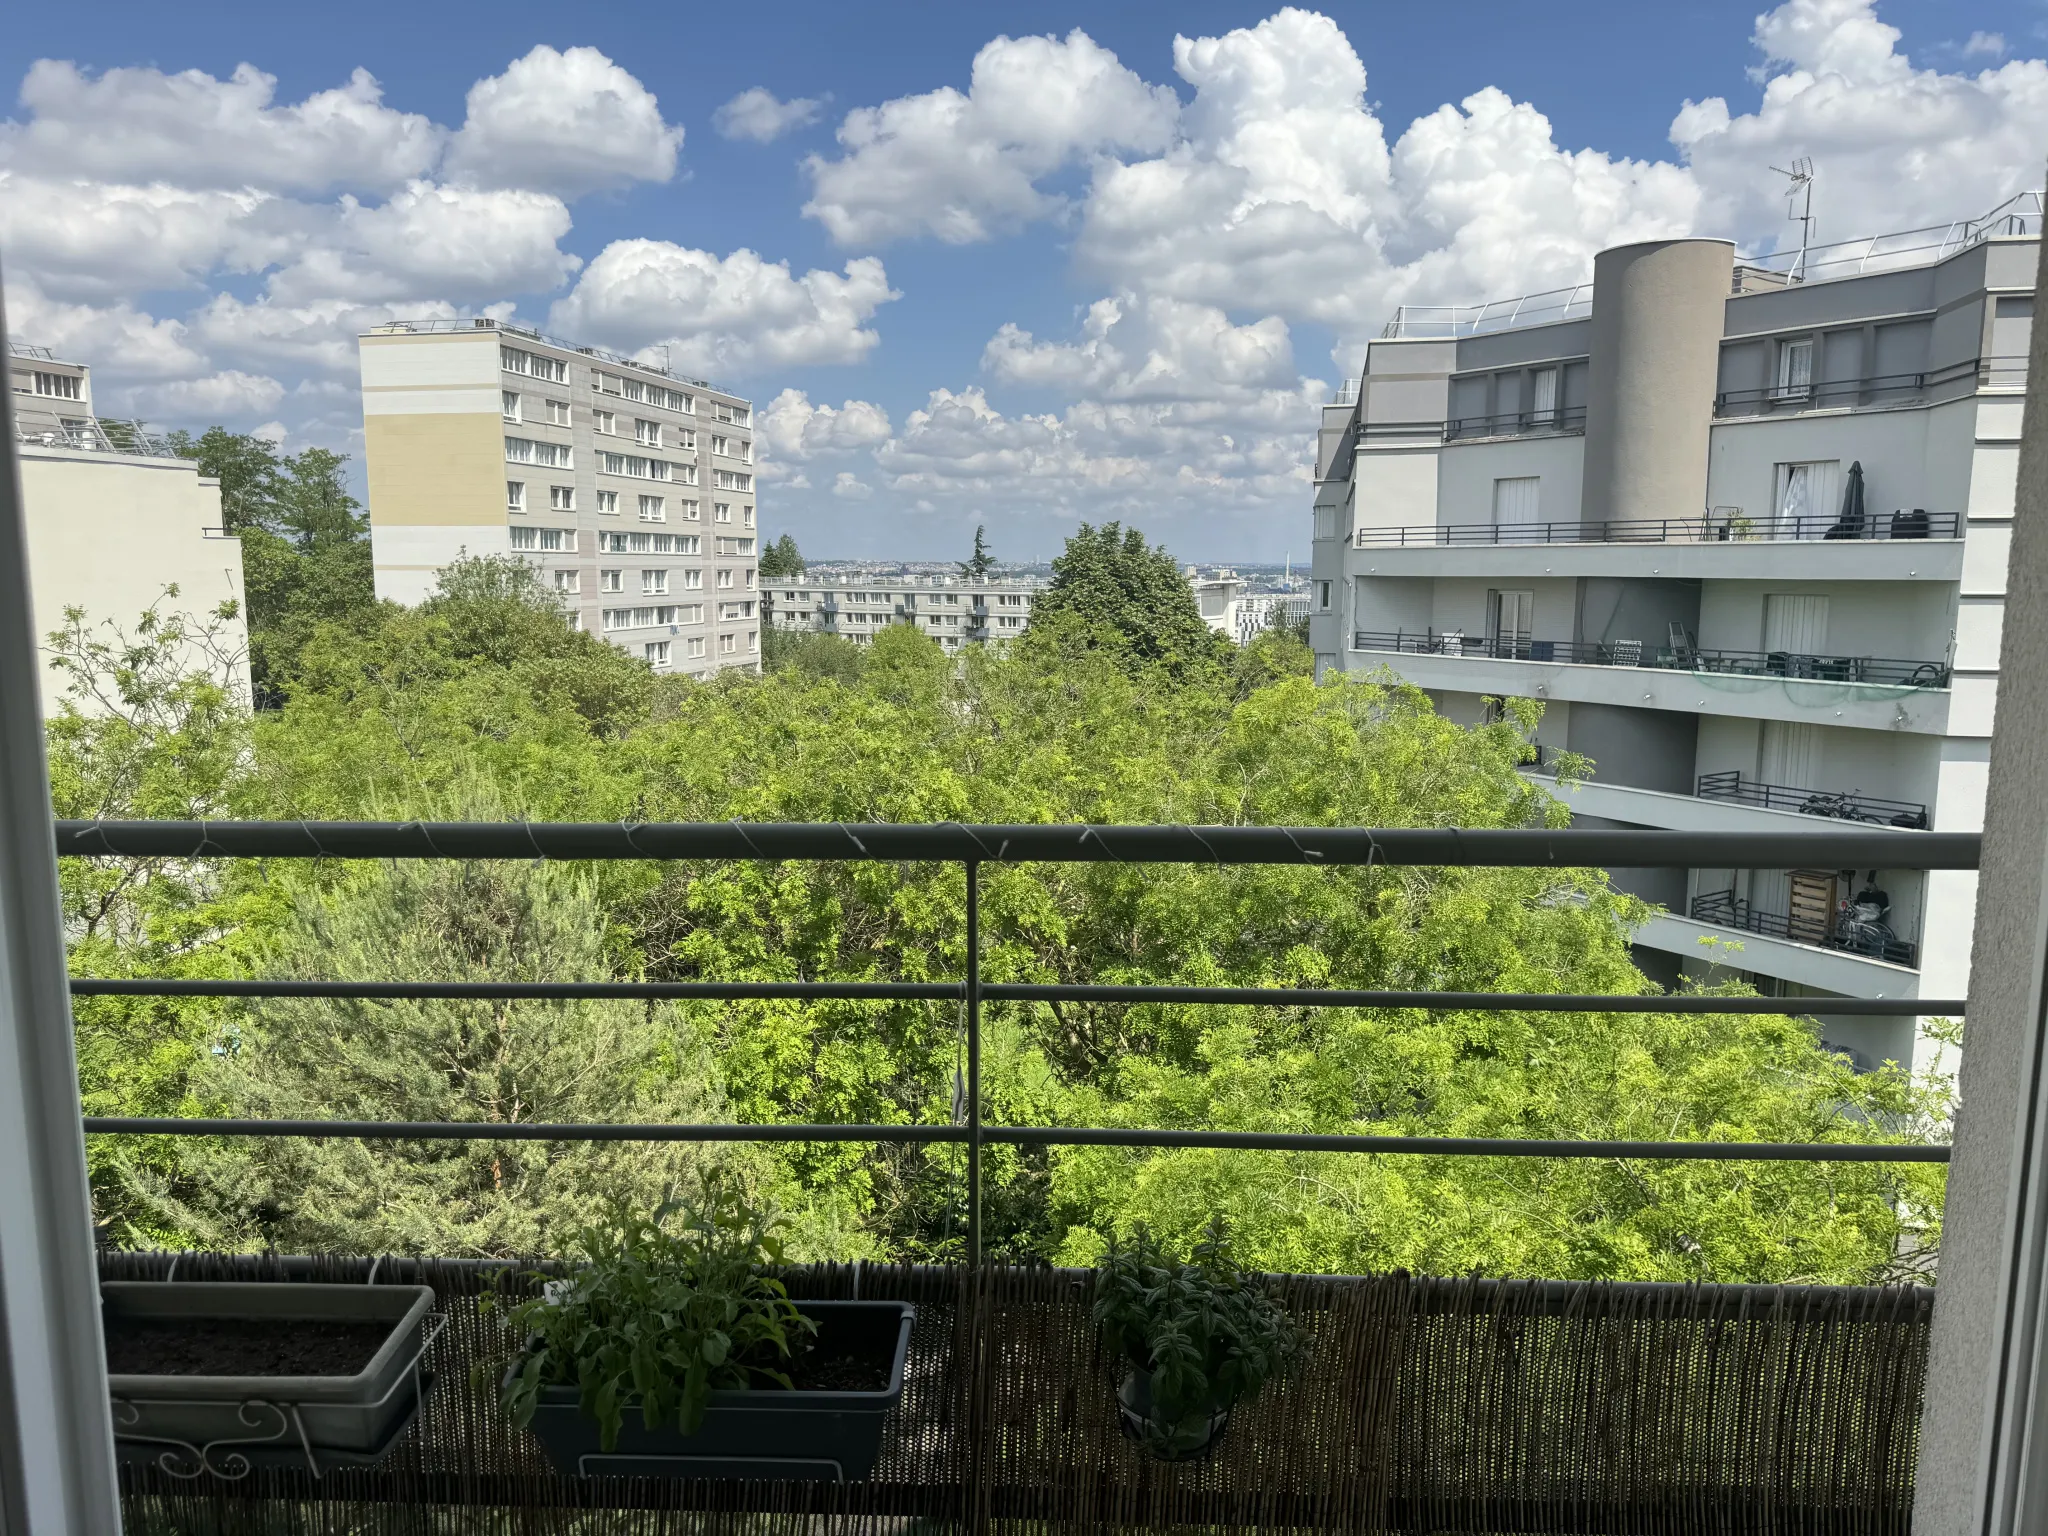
(1111, 588)
(781, 558)
(484, 697)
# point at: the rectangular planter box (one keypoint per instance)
(354, 1415)
(807, 1436)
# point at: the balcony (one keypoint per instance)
(1789, 665)
(1724, 909)
(1875, 390)
(1721, 527)
(1561, 421)
(1732, 786)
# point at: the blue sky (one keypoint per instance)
(1111, 279)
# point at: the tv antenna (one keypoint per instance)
(1799, 196)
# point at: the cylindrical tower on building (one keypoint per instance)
(1656, 343)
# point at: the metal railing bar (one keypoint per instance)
(955, 842)
(1034, 1135)
(1032, 992)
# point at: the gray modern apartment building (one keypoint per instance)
(631, 489)
(953, 611)
(1742, 528)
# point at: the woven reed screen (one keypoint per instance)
(1422, 1406)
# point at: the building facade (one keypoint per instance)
(953, 611)
(1742, 530)
(631, 489)
(115, 519)
(1238, 615)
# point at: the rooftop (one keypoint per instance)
(506, 327)
(39, 427)
(2018, 217)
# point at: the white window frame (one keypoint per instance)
(562, 498)
(515, 495)
(611, 581)
(510, 407)
(654, 583)
(653, 509)
(1794, 369)
(608, 503)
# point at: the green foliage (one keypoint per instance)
(814, 653)
(1111, 589)
(441, 1059)
(1275, 653)
(977, 566)
(781, 559)
(305, 543)
(662, 1312)
(1207, 1334)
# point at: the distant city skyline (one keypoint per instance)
(1021, 267)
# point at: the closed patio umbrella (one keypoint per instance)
(1850, 524)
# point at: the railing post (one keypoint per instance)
(974, 1063)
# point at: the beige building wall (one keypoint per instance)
(110, 532)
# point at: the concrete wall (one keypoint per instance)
(1466, 472)
(1908, 620)
(1655, 342)
(1645, 748)
(110, 532)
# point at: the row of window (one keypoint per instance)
(534, 366)
(655, 615)
(1809, 491)
(658, 652)
(653, 509)
(527, 450)
(932, 599)
(57, 386)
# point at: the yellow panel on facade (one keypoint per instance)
(435, 469)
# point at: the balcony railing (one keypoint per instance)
(1569, 418)
(1430, 1404)
(1875, 389)
(1883, 671)
(1724, 909)
(1721, 527)
(1731, 785)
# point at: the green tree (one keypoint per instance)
(781, 558)
(305, 543)
(812, 651)
(1113, 589)
(977, 566)
(479, 1062)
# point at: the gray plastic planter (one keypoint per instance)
(803, 1436)
(220, 1424)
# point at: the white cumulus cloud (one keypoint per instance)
(790, 427)
(563, 122)
(756, 114)
(720, 313)
(967, 167)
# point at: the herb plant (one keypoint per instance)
(664, 1310)
(1208, 1334)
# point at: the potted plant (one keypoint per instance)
(670, 1350)
(221, 1376)
(1188, 1340)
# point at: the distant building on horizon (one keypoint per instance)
(953, 610)
(1230, 610)
(632, 490)
(114, 517)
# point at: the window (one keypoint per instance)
(604, 384)
(750, 578)
(691, 511)
(727, 644)
(632, 465)
(568, 581)
(608, 501)
(59, 386)
(725, 577)
(1009, 623)
(693, 580)
(533, 365)
(688, 544)
(511, 400)
(524, 450)
(635, 389)
(653, 510)
(686, 473)
(686, 437)
(736, 414)
(690, 613)
(1518, 504)
(753, 640)
(525, 538)
(558, 413)
(656, 651)
(1323, 595)
(605, 422)
(721, 511)
(718, 446)
(1010, 600)
(561, 539)
(729, 480)
(1543, 397)
(647, 433)
(1807, 499)
(611, 581)
(654, 583)
(747, 516)
(694, 646)
(1795, 369)
(562, 498)
(515, 495)
(1509, 618)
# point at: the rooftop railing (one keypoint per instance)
(1722, 526)
(36, 428)
(1793, 665)
(445, 326)
(1434, 1404)
(30, 350)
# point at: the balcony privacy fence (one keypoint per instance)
(1882, 670)
(1876, 389)
(1564, 418)
(1421, 1405)
(1424, 1405)
(1720, 527)
(1725, 909)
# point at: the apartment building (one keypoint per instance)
(1742, 528)
(115, 519)
(1238, 615)
(631, 489)
(953, 611)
